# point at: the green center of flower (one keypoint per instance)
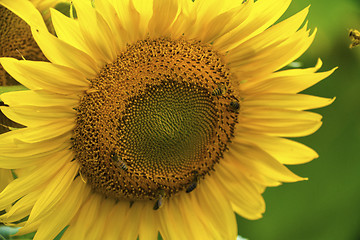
(164, 130)
(155, 121)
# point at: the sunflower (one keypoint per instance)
(156, 117)
(16, 39)
(5, 178)
(5, 174)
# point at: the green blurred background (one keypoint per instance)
(327, 206)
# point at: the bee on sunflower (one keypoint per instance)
(139, 80)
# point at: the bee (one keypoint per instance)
(194, 183)
(159, 202)
(119, 162)
(354, 36)
(234, 106)
(221, 90)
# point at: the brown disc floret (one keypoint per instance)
(155, 120)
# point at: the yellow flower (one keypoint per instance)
(156, 116)
(5, 178)
(16, 39)
(5, 174)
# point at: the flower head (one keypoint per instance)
(16, 39)
(156, 116)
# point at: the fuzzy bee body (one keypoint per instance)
(221, 90)
(123, 166)
(159, 202)
(119, 162)
(354, 36)
(194, 183)
(191, 187)
(234, 106)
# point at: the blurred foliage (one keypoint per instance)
(4, 89)
(5, 233)
(326, 207)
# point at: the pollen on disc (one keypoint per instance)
(154, 120)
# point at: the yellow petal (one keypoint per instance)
(28, 158)
(283, 150)
(231, 161)
(173, 225)
(39, 98)
(106, 9)
(149, 227)
(28, 229)
(286, 101)
(240, 191)
(264, 13)
(197, 228)
(224, 23)
(217, 209)
(47, 132)
(204, 11)
(45, 75)
(273, 57)
(98, 37)
(275, 34)
(266, 113)
(39, 149)
(280, 122)
(145, 10)
(294, 129)
(288, 81)
(69, 206)
(54, 191)
(24, 185)
(98, 232)
(36, 116)
(164, 13)
(68, 30)
(290, 73)
(116, 219)
(22, 207)
(185, 20)
(27, 11)
(257, 160)
(130, 19)
(5, 178)
(130, 228)
(61, 53)
(86, 218)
